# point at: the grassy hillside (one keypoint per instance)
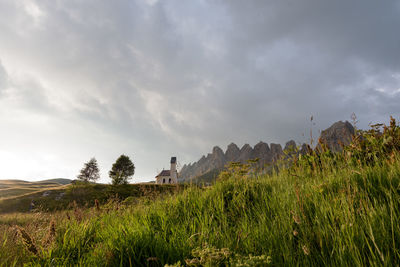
(62, 181)
(325, 210)
(13, 188)
(83, 195)
(21, 183)
(342, 217)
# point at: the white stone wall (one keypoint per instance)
(174, 174)
(164, 180)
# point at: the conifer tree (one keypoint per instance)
(122, 170)
(90, 171)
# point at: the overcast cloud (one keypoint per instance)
(155, 79)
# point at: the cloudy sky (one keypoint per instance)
(154, 79)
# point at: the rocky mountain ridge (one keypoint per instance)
(217, 159)
(334, 137)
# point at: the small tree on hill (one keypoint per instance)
(122, 170)
(90, 171)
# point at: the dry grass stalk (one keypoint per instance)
(51, 233)
(77, 212)
(97, 204)
(306, 250)
(27, 240)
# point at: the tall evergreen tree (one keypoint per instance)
(90, 171)
(122, 170)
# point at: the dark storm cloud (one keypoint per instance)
(157, 78)
(313, 57)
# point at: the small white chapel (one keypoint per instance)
(168, 176)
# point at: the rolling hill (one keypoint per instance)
(13, 188)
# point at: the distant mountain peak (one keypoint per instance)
(334, 137)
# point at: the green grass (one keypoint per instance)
(334, 217)
(84, 195)
(324, 210)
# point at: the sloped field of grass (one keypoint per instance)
(337, 216)
(62, 197)
(324, 210)
(17, 188)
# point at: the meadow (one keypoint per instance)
(15, 188)
(324, 209)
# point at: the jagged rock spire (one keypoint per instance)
(334, 137)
